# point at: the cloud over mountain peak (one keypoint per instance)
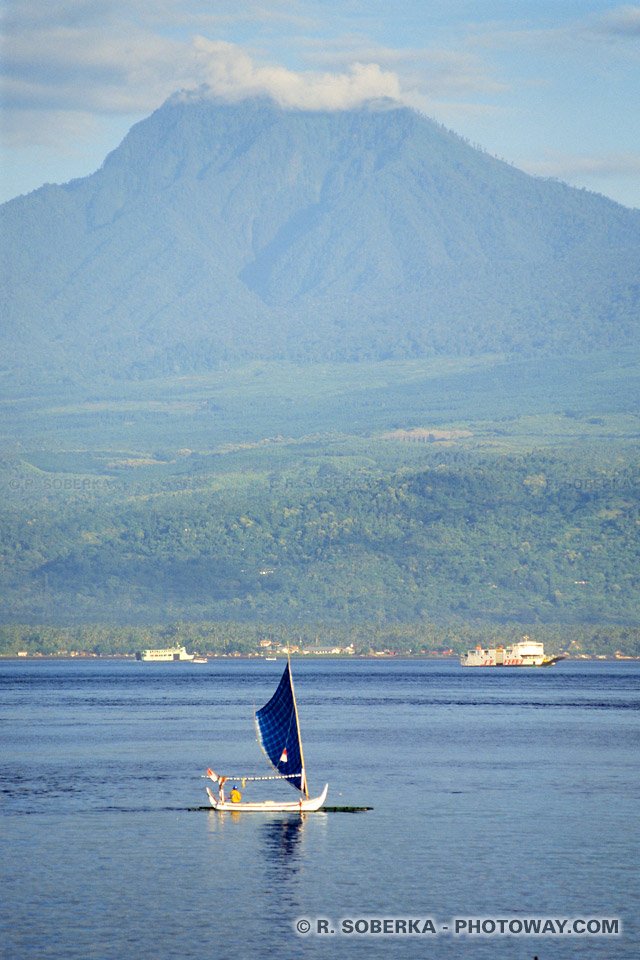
(231, 73)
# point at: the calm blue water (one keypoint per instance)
(496, 794)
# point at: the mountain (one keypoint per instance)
(227, 231)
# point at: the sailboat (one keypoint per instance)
(278, 730)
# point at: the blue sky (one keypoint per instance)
(549, 85)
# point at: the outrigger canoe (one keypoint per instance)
(278, 730)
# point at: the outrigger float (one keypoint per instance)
(278, 730)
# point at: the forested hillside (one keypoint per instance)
(221, 232)
(401, 506)
(509, 538)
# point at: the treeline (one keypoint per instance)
(227, 639)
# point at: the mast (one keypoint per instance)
(295, 708)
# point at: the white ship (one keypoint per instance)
(164, 656)
(526, 653)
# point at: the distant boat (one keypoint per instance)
(164, 656)
(271, 658)
(278, 731)
(526, 653)
(200, 660)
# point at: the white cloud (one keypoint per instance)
(433, 72)
(230, 72)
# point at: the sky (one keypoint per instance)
(552, 86)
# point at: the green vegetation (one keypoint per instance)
(420, 532)
(472, 535)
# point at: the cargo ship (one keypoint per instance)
(164, 656)
(526, 653)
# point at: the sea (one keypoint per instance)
(500, 798)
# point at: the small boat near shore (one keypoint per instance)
(278, 729)
(526, 653)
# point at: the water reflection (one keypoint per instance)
(283, 845)
(285, 859)
(276, 844)
(280, 837)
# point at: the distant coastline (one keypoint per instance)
(297, 656)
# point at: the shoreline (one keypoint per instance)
(600, 658)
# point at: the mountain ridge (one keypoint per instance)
(222, 231)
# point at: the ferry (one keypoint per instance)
(164, 656)
(526, 653)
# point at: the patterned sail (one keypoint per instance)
(277, 724)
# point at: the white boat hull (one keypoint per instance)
(270, 806)
(170, 655)
(528, 653)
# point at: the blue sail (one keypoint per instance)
(277, 724)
